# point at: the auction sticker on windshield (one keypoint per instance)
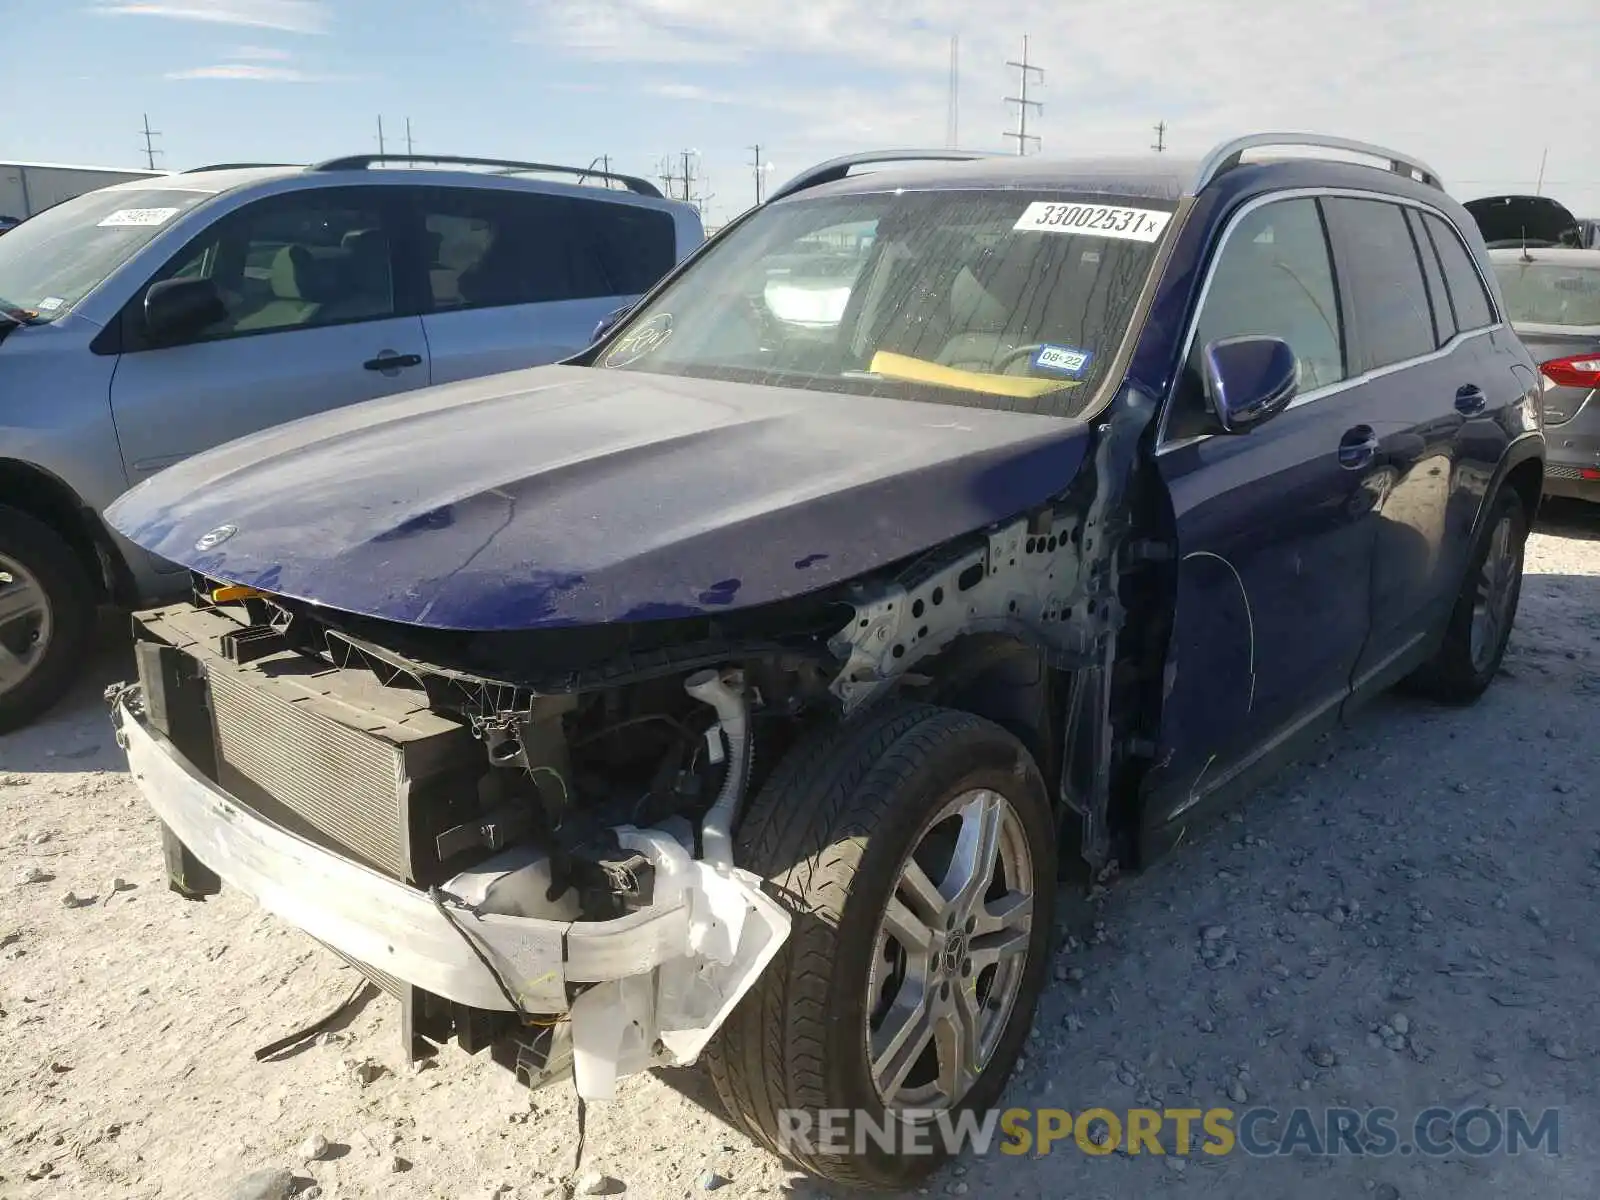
(1094, 220)
(125, 218)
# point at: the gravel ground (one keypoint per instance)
(1403, 920)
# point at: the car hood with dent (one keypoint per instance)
(567, 495)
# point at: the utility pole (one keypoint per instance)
(380, 133)
(952, 131)
(1538, 188)
(408, 136)
(1161, 137)
(761, 168)
(150, 135)
(1028, 71)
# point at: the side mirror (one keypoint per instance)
(175, 309)
(609, 322)
(1249, 379)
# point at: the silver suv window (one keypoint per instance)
(54, 260)
(295, 261)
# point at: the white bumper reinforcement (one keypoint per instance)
(685, 961)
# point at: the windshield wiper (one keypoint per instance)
(18, 315)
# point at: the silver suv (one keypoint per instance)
(145, 322)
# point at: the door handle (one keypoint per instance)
(1470, 400)
(388, 360)
(1358, 447)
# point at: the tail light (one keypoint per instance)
(1574, 372)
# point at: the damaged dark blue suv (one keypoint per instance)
(740, 688)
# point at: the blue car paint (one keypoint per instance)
(1296, 581)
(561, 496)
(1299, 580)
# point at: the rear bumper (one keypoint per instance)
(1572, 464)
(380, 921)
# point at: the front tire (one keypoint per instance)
(916, 850)
(1480, 623)
(46, 616)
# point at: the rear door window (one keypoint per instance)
(1467, 294)
(1386, 291)
(493, 248)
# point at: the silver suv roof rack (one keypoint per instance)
(836, 169)
(234, 166)
(1227, 155)
(360, 162)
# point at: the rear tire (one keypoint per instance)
(46, 617)
(834, 832)
(1480, 623)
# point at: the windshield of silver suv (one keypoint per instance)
(989, 298)
(49, 263)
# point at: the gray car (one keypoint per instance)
(147, 321)
(1553, 299)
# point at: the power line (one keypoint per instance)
(1027, 70)
(1160, 144)
(150, 150)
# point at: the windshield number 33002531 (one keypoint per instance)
(1094, 220)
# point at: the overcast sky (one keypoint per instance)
(1477, 90)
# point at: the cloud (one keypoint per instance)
(1444, 81)
(694, 93)
(288, 16)
(249, 72)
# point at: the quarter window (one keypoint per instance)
(1467, 294)
(489, 249)
(1386, 289)
(1444, 325)
(1273, 278)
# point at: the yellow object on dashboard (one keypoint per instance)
(227, 595)
(917, 370)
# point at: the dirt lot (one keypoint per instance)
(1404, 921)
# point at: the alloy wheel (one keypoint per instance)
(25, 626)
(952, 949)
(1495, 592)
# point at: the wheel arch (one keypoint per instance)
(51, 501)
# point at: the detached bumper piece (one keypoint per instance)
(481, 952)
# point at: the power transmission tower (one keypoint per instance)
(688, 175)
(952, 130)
(1160, 144)
(150, 135)
(1028, 71)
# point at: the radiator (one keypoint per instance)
(347, 785)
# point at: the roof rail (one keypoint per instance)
(360, 162)
(1227, 155)
(238, 166)
(836, 169)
